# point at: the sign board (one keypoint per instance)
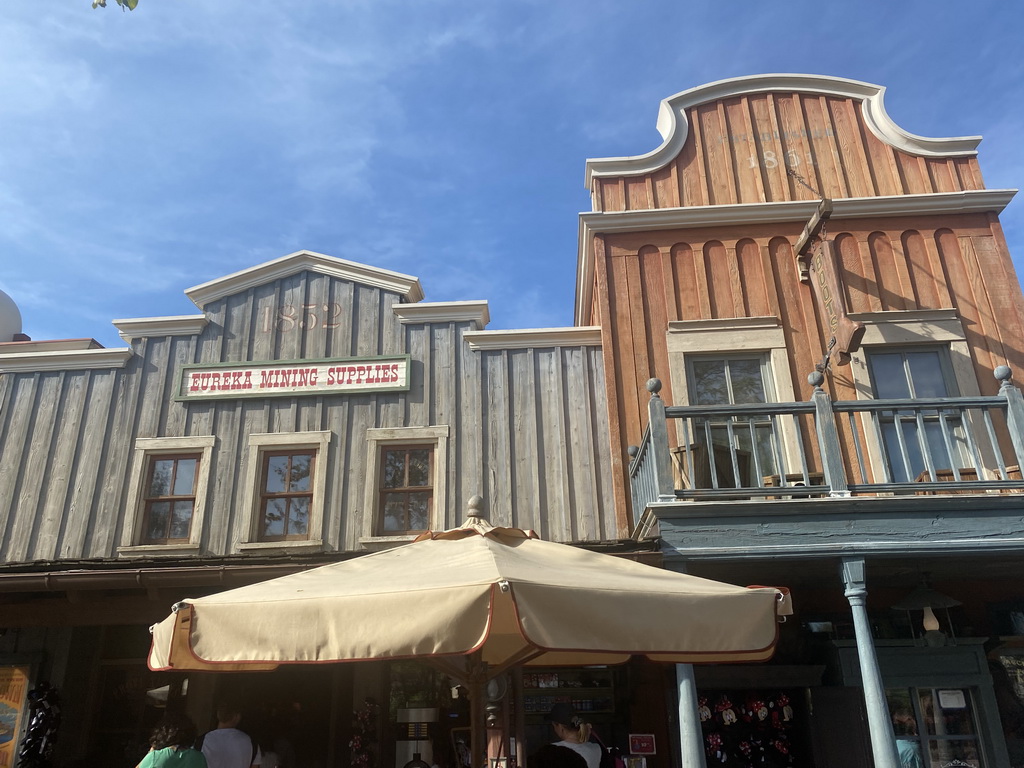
(641, 744)
(335, 376)
(13, 690)
(827, 282)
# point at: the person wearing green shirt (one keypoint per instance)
(172, 745)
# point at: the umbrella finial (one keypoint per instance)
(476, 504)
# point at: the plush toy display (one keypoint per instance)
(752, 735)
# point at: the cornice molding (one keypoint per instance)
(674, 127)
(66, 360)
(49, 345)
(593, 223)
(475, 312)
(172, 325)
(405, 285)
(719, 324)
(589, 336)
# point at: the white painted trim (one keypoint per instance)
(405, 285)
(172, 325)
(475, 312)
(55, 345)
(436, 436)
(65, 360)
(738, 333)
(260, 442)
(579, 336)
(904, 328)
(674, 127)
(155, 446)
(936, 203)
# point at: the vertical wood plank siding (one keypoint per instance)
(527, 426)
(738, 150)
(889, 265)
(726, 159)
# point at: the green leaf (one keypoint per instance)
(129, 4)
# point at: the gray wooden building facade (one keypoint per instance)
(315, 409)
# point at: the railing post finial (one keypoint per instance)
(1004, 375)
(816, 379)
(654, 387)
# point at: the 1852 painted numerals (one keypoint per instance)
(771, 159)
(290, 317)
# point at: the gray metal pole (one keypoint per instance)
(883, 741)
(691, 740)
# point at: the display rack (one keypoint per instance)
(589, 691)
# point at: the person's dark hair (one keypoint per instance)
(563, 714)
(174, 730)
(554, 756)
(227, 709)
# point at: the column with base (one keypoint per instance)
(883, 742)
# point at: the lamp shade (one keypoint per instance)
(925, 597)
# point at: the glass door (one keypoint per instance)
(935, 727)
(732, 452)
(914, 441)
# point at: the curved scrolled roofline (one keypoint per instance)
(674, 127)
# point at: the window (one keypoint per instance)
(935, 726)
(285, 486)
(167, 495)
(406, 489)
(732, 360)
(914, 440)
(743, 450)
(286, 495)
(406, 482)
(170, 498)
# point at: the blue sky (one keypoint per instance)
(147, 152)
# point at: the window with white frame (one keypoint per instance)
(731, 361)
(736, 451)
(406, 483)
(167, 495)
(915, 439)
(907, 354)
(285, 489)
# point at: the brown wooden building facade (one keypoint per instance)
(688, 264)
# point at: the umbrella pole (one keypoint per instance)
(477, 695)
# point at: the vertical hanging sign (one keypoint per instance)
(822, 270)
(828, 287)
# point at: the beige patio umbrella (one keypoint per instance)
(474, 601)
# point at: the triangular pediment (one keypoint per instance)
(306, 261)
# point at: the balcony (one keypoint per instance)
(824, 449)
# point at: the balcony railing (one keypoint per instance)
(827, 448)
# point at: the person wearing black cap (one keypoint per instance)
(573, 733)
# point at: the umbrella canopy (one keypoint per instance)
(500, 594)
